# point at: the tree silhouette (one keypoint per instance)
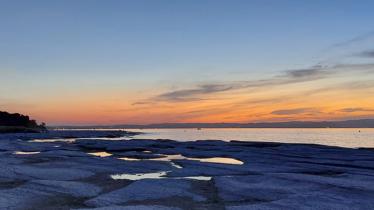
(16, 119)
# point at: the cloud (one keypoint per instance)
(294, 111)
(313, 72)
(287, 77)
(142, 103)
(366, 54)
(291, 76)
(354, 40)
(190, 94)
(200, 92)
(356, 109)
(347, 50)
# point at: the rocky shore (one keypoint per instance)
(95, 170)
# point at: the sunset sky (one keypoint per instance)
(138, 62)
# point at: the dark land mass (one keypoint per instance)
(12, 123)
(361, 123)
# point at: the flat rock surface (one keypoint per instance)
(148, 189)
(98, 170)
(137, 207)
(76, 189)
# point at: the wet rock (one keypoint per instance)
(329, 198)
(147, 189)
(38, 193)
(64, 154)
(140, 155)
(261, 188)
(75, 189)
(130, 145)
(18, 198)
(348, 181)
(132, 207)
(261, 206)
(273, 176)
(61, 174)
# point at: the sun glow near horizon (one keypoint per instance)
(276, 103)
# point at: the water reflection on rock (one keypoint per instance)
(100, 154)
(221, 160)
(25, 153)
(133, 177)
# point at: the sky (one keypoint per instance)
(85, 62)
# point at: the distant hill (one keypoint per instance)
(18, 123)
(362, 123)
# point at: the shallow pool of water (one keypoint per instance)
(222, 160)
(25, 153)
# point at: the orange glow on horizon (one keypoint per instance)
(240, 108)
(307, 101)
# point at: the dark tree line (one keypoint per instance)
(16, 119)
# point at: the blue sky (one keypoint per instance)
(50, 48)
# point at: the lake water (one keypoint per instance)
(351, 137)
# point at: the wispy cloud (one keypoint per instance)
(287, 77)
(205, 91)
(142, 103)
(316, 72)
(356, 109)
(354, 40)
(347, 50)
(295, 111)
(191, 94)
(366, 54)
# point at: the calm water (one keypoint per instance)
(328, 136)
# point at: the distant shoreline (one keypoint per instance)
(19, 129)
(361, 123)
